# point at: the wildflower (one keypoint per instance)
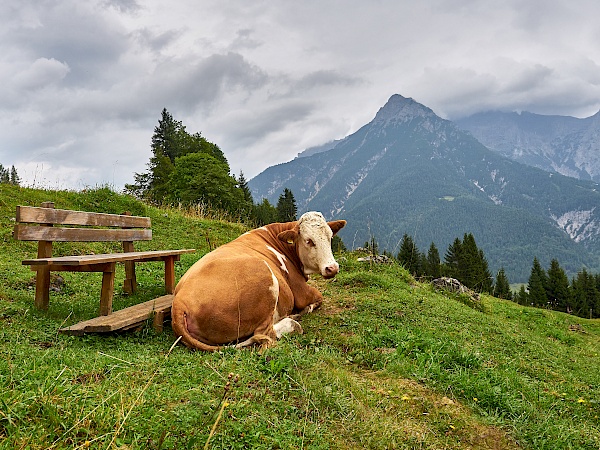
(581, 400)
(405, 397)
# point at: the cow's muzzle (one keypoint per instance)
(330, 271)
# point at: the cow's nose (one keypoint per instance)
(331, 271)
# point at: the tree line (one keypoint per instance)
(9, 176)
(552, 289)
(187, 169)
(463, 261)
(467, 263)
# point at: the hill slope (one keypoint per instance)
(386, 363)
(409, 171)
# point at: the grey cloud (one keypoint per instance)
(199, 84)
(244, 40)
(156, 42)
(125, 6)
(253, 124)
(71, 33)
(324, 78)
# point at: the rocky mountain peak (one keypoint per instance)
(401, 109)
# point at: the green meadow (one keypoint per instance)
(386, 363)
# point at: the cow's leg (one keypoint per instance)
(308, 309)
(262, 340)
(286, 326)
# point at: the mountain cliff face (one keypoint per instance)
(410, 171)
(566, 145)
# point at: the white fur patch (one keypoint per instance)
(286, 326)
(280, 257)
(274, 289)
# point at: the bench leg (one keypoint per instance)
(108, 289)
(130, 283)
(158, 321)
(42, 288)
(170, 275)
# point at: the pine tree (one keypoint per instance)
(434, 268)
(286, 207)
(557, 289)
(453, 259)
(409, 256)
(247, 205)
(522, 297)
(14, 177)
(537, 285)
(4, 175)
(502, 286)
(474, 268)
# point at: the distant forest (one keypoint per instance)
(464, 261)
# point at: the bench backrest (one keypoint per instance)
(124, 227)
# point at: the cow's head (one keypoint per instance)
(312, 237)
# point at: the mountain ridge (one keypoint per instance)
(563, 144)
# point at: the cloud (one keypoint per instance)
(84, 82)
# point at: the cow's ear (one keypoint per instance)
(336, 225)
(288, 236)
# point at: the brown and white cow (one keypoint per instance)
(246, 291)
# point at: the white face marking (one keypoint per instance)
(280, 257)
(314, 249)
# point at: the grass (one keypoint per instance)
(387, 362)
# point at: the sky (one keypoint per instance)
(83, 82)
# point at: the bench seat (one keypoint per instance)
(84, 260)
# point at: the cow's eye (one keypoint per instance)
(310, 243)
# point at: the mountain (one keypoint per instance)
(562, 144)
(410, 171)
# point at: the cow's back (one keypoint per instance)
(228, 295)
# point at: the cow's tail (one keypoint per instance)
(178, 322)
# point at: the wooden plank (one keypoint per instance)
(56, 234)
(83, 260)
(124, 318)
(32, 214)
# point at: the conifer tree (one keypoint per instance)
(286, 207)
(502, 286)
(557, 289)
(522, 297)
(537, 285)
(409, 255)
(4, 175)
(14, 177)
(434, 268)
(453, 259)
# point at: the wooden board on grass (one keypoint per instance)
(126, 318)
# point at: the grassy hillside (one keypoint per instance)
(385, 363)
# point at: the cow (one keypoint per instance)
(251, 291)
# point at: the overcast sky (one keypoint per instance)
(83, 82)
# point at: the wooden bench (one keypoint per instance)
(38, 224)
